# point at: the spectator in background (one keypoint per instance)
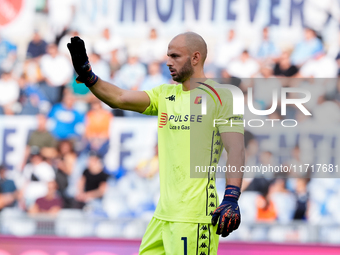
(306, 49)
(36, 47)
(36, 174)
(32, 98)
(266, 210)
(6, 185)
(320, 66)
(93, 183)
(9, 93)
(251, 148)
(264, 87)
(97, 129)
(275, 204)
(107, 43)
(228, 50)
(283, 67)
(114, 62)
(243, 67)
(153, 49)
(57, 72)
(283, 200)
(131, 75)
(302, 197)
(8, 190)
(32, 71)
(8, 54)
(100, 66)
(324, 69)
(65, 165)
(267, 50)
(66, 122)
(49, 204)
(154, 77)
(42, 139)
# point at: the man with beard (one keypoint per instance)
(186, 215)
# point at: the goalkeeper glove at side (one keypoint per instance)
(228, 212)
(81, 62)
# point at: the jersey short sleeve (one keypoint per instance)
(226, 120)
(153, 95)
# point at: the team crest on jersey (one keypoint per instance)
(198, 100)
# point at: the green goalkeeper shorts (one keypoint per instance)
(179, 238)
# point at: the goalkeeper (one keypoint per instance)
(187, 220)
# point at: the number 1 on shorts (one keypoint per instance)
(185, 245)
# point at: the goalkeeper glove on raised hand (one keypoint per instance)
(228, 212)
(81, 62)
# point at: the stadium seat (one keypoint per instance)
(108, 229)
(67, 220)
(247, 202)
(285, 206)
(21, 227)
(134, 229)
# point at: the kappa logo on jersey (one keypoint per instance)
(163, 120)
(171, 98)
(198, 100)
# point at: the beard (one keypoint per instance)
(184, 73)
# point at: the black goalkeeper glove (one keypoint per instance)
(228, 212)
(81, 62)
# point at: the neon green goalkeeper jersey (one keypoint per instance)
(188, 144)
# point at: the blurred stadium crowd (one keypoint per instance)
(63, 169)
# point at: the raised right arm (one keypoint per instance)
(123, 99)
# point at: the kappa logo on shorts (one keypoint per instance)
(212, 195)
(203, 236)
(203, 245)
(212, 204)
(204, 227)
(203, 253)
(163, 120)
(211, 186)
